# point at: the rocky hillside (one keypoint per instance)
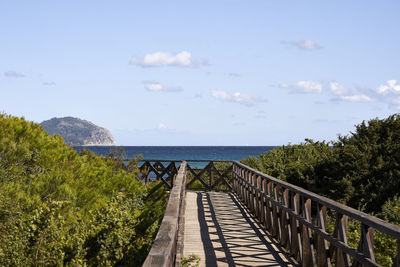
(78, 132)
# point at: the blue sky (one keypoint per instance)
(202, 72)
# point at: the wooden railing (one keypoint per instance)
(168, 245)
(216, 174)
(312, 228)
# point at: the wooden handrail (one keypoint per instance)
(208, 178)
(165, 247)
(179, 160)
(297, 218)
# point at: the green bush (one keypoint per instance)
(309, 165)
(61, 208)
(370, 159)
(361, 170)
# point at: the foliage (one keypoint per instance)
(370, 159)
(361, 170)
(391, 210)
(309, 165)
(192, 260)
(384, 245)
(61, 208)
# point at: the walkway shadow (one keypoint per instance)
(230, 237)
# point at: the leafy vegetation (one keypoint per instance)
(61, 208)
(361, 170)
(192, 260)
(310, 165)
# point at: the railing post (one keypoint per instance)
(323, 258)
(147, 174)
(267, 212)
(342, 258)
(247, 200)
(296, 248)
(308, 246)
(211, 175)
(252, 193)
(285, 221)
(274, 218)
(397, 259)
(259, 199)
(367, 239)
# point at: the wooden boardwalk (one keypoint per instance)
(220, 230)
(225, 231)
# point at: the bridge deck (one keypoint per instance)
(220, 230)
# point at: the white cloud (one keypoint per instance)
(162, 126)
(234, 74)
(284, 85)
(390, 86)
(389, 92)
(309, 86)
(340, 92)
(236, 97)
(239, 123)
(337, 89)
(260, 116)
(49, 83)
(13, 74)
(158, 87)
(159, 59)
(303, 87)
(356, 98)
(307, 45)
(343, 94)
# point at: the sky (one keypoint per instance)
(219, 72)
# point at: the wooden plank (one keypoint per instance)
(296, 248)
(342, 258)
(285, 242)
(367, 237)
(211, 173)
(252, 193)
(323, 258)
(220, 230)
(275, 214)
(275, 224)
(268, 213)
(247, 176)
(263, 203)
(308, 247)
(258, 198)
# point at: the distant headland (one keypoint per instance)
(78, 132)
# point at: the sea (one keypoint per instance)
(181, 152)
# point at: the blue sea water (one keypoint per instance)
(183, 152)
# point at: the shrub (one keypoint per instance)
(61, 208)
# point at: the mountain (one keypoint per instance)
(78, 132)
